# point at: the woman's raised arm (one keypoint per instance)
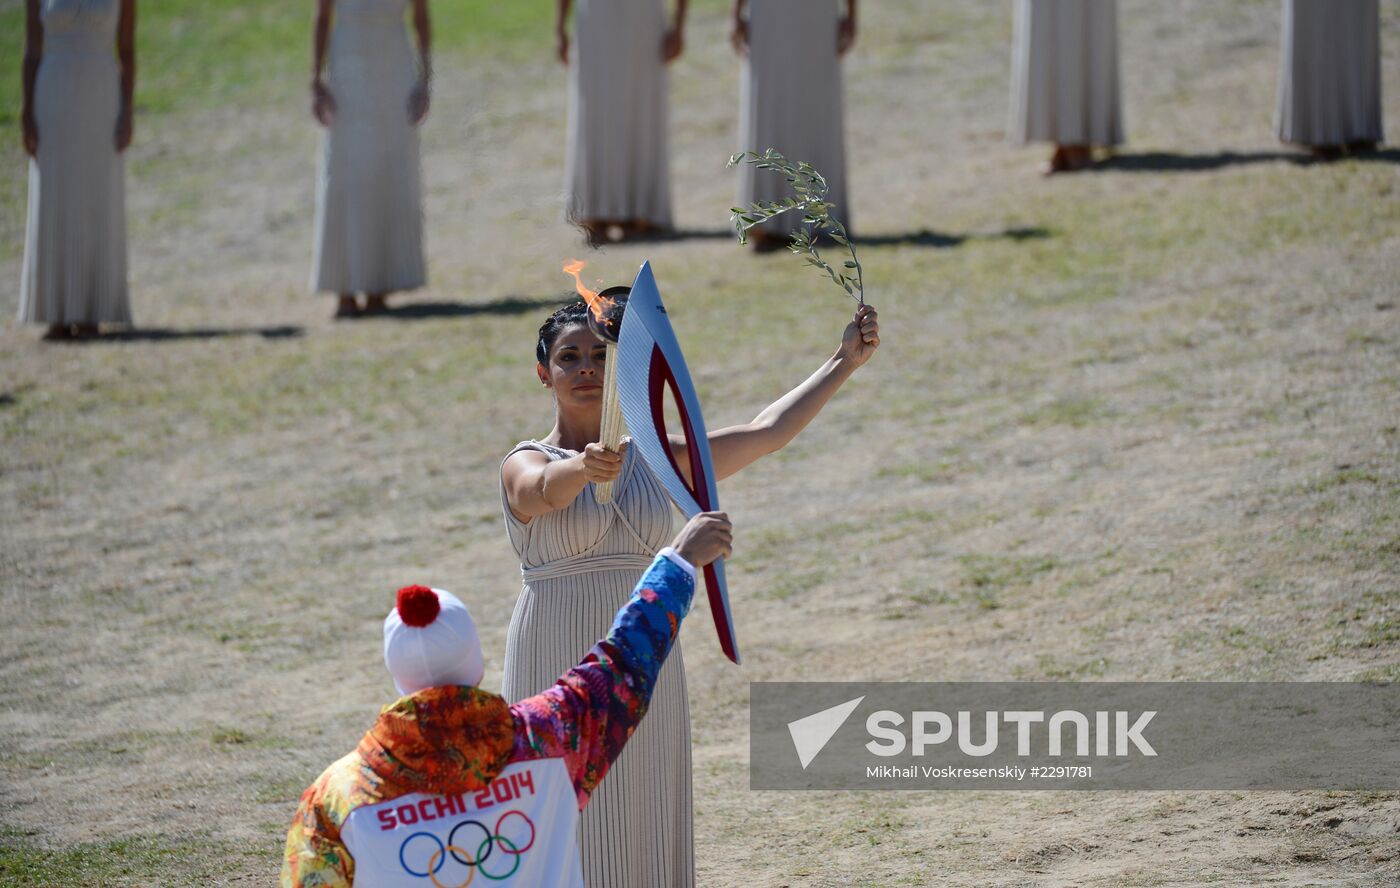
(735, 447)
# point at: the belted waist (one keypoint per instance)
(582, 564)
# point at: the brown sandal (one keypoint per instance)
(347, 309)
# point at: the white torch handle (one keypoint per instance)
(610, 430)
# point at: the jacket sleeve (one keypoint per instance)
(314, 856)
(592, 710)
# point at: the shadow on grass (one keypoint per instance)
(925, 237)
(1170, 162)
(939, 239)
(510, 305)
(680, 234)
(166, 334)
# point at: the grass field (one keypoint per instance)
(1138, 424)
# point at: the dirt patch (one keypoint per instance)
(1137, 424)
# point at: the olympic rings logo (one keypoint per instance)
(457, 846)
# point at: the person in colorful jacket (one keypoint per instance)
(453, 782)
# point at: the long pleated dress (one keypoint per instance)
(1064, 73)
(369, 212)
(618, 165)
(1329, 87)
(74, 267)
(790, 98)
(579, 566)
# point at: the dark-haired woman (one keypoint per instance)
(580, 559)
(369, 214)
(79, 77)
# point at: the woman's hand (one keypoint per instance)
(845, 34)
(561, 46)
(31, 133)
(705, 538)
(601, 465)
(125, 127)
(861, 338)
(418, 102)
(322, 103)
(739, 35)
(673, 45)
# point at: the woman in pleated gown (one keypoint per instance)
(617, 172)
(580, 559)
(790, 99)
(371, 99)
(79, 76)
(1064, 79)
(1329, 86)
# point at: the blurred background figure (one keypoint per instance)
(1329, 87)
(1064, 79)
(77, 121)
(369, 212)
(617, 176)
(790, 99)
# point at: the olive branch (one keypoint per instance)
(810, 188)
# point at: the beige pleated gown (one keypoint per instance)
(369, 215)
(579, 566)
(74, 269)
(790, 99)
(1329, 88)
(618, 165)
(1064, 73)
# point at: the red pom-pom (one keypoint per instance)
(418, 605)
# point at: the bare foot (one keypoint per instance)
(1058, 162)
(1068, 159)
(375, 304)
(346, 308)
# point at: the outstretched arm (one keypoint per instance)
(735, 447)
(589, 714)
(536, 485)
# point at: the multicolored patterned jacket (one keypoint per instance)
(453, 782)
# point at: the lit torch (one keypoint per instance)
(605, 320)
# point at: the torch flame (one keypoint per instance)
(599, 305)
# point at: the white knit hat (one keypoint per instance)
(430, 641)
